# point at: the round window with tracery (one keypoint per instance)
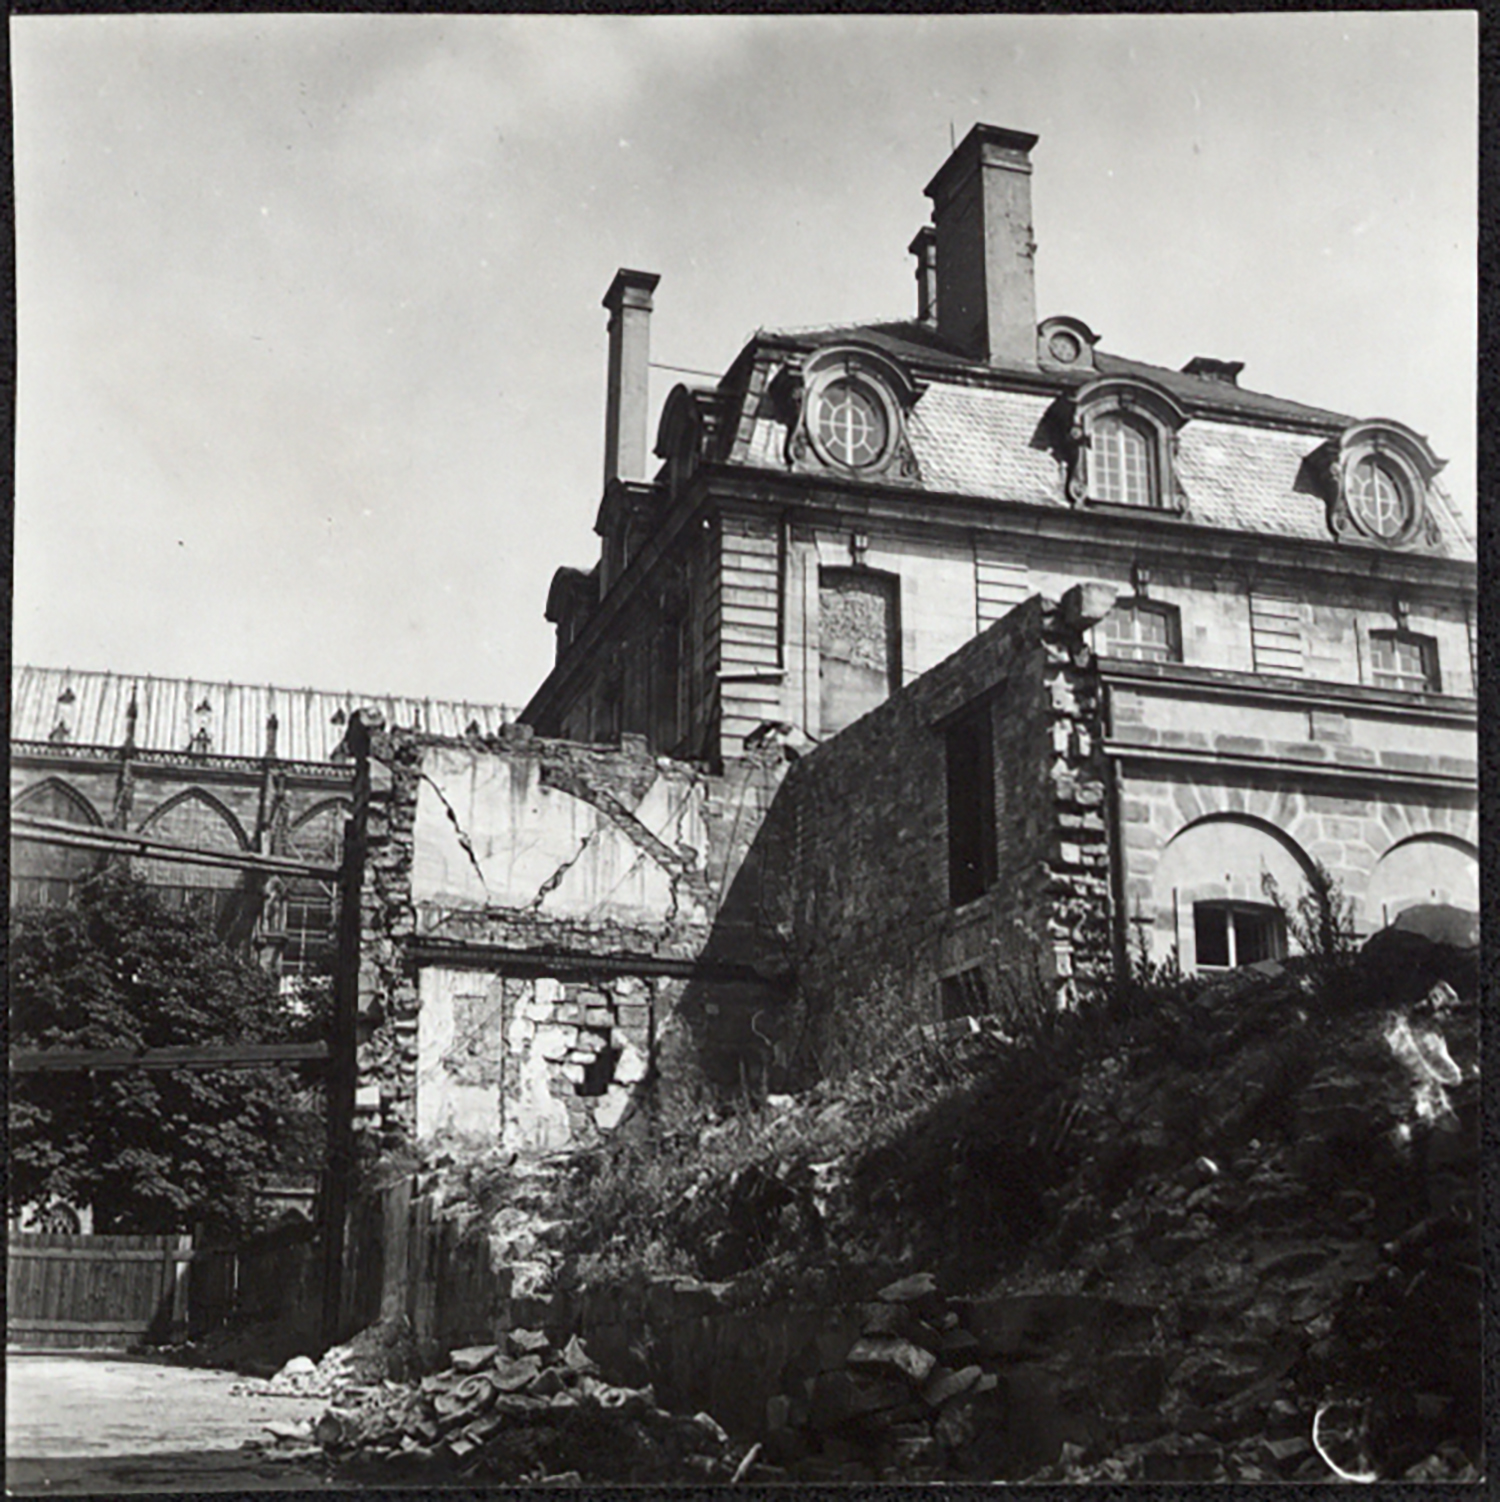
(1378, 497)
(852, 426)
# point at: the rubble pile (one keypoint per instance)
(523, 1410)
(1255, 1257)
(382, 1351)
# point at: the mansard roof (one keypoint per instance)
(310, 722)
(979, 429)
(921, 344)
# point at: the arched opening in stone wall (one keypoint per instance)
(45, 875)
(197, 820)
(1210, 901)
(1423, 868)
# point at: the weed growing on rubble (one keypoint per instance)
(1320, 923)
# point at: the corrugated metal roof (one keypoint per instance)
(171, 711)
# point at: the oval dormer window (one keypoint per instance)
(851, 418)
(1378, 497)
(851, 424)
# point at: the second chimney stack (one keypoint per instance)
(626, 395)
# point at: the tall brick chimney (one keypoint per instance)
(981, 212)
(629, 304)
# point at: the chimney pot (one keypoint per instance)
(1227, 371)
(981, 213)
(626, 394)
(924, 248)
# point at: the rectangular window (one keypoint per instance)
(965, 994)
(1405, 661)
(1142, 631)
(308, 922)
(1227, 934)
(972, 857)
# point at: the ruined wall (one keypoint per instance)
(858, 844)
(533, 915)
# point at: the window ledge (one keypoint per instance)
(1119, 508)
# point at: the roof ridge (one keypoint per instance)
(168, 681)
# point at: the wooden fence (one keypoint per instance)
(111, 1292)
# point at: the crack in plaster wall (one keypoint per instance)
(458, 829)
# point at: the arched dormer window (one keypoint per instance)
(1122, 446)
(1124, 466)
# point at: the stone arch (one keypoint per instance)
(1217, 858)
(42, 874)
(52, 798)
(314, 844)
(1427, 867)
(196, 818)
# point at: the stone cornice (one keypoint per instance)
(189, 768)
(1181, 680)
(1167, 538)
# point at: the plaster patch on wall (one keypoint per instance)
(459, 1053)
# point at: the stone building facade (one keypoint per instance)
(942, 667)
(1287, 675)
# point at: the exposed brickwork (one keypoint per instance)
(574, 968)
(858, 840)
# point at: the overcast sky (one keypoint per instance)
(311, 356)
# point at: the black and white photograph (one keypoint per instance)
(743, 751)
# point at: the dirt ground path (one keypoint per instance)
(80, 1422)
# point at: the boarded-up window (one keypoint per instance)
(1000, 584)
(859, 643)
(971, 806)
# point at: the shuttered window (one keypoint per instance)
(1276, 634)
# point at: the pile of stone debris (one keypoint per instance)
(523, 1411)
(1264, 1264)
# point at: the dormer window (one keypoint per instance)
(1122, 445)
(851, 425)
(1379, 497)
(852, 414)
(1377, 476)
(1124, 471)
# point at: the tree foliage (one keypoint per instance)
(151, 1152)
